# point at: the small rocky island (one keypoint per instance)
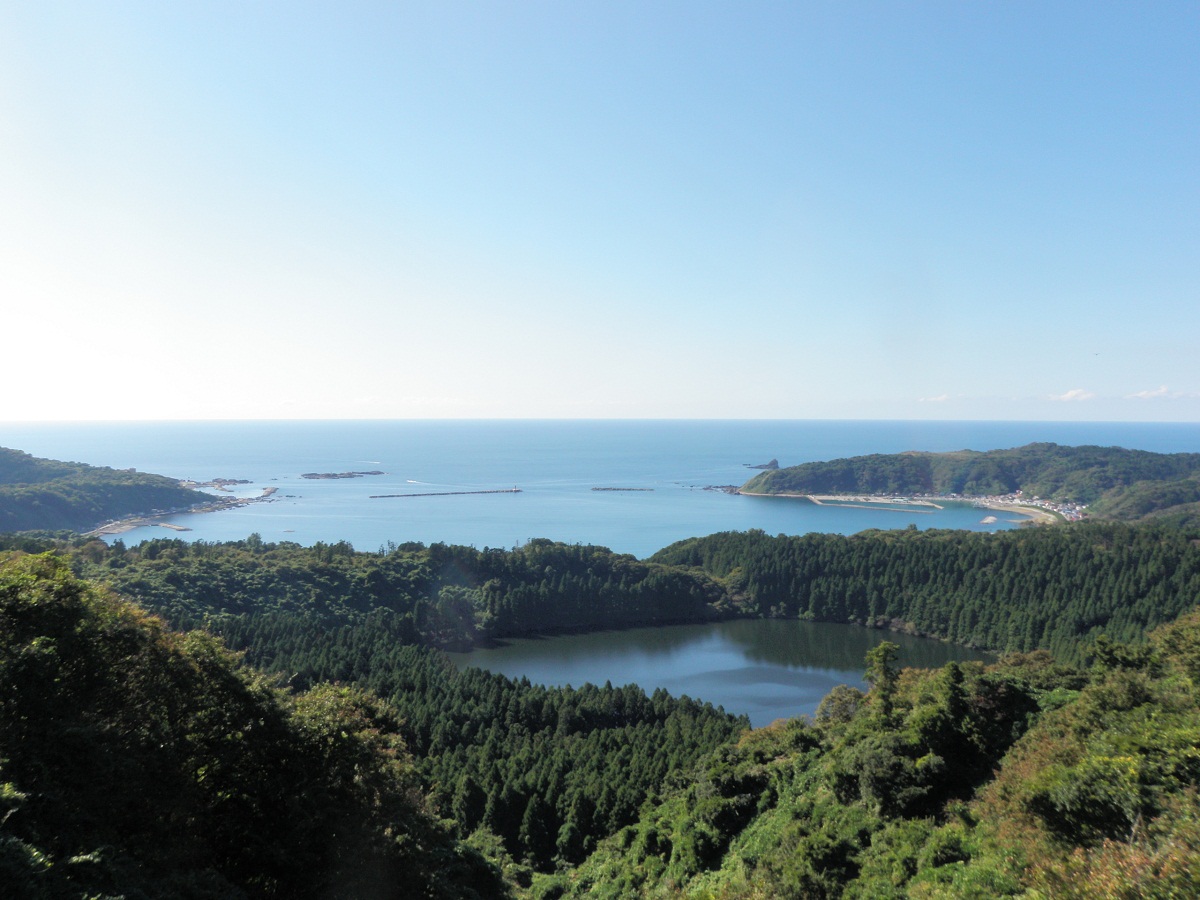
(328, 475)
(769, 466)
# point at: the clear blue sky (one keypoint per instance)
(600, 209)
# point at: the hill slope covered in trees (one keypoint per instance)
(49, 495)
(1055, 588)
(1043, 588)
(1023, 778)
(136, 762)
(140, 762)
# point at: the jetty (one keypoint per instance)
(512, 490)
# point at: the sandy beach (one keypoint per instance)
(1037, 514)
(905, 504)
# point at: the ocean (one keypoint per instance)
(656, 474)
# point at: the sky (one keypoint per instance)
(909, 210)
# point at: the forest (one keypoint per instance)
(1054, 588)
(1114, 482)
(499, 787)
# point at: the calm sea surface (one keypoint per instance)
(554, 463)
(768, 669)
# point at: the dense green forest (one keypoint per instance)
(1051, 588)
(138, 761)
(441, 595)
(1112, 481)
(1020, 779)
(37, 494)
(540, 775)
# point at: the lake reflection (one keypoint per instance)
(765, 668)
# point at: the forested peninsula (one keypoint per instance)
(47, 494)
(1113, 482)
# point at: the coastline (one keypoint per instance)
(1034, 513)
(876, 502)
(121, 526)
(887, 503)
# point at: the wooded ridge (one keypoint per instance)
(1112, 481)
(47, 494)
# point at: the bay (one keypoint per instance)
(555, 464)
(767, 669)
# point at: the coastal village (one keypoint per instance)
(1070, 511)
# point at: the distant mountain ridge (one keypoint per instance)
(1114, 482)
(49, 494)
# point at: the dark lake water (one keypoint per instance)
(767, 669)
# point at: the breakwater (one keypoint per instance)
(512, 490)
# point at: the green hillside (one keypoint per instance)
(1047, 588)
(1054, 589)
(1114, 482)
(1019, 779)
(49, 495)
(137, 762)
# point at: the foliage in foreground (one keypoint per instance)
(1022, 778)
(548, 771)
(135, 762)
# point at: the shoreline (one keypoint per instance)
(856, 501)
(129, 523)
(1034, 514)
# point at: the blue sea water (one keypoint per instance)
(555, 464)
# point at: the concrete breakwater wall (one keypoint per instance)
(512, 490)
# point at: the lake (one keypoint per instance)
(767, 669)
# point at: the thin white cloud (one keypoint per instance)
(1150, 395)
(1163, 393)
(940, 398)
(1075, 394)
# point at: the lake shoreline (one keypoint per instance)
(763, 668)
